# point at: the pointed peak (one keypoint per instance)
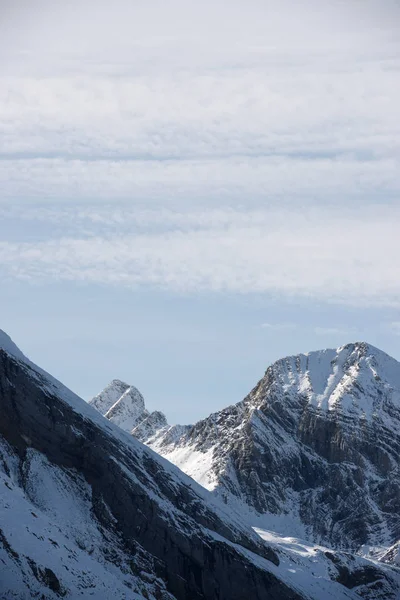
(118, 383)
(121, 403)
(357, 350)
(130, 399)
(104, 401)
(352, 379)
(364, 349)
(124, 405)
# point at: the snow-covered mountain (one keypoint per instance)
(313, 450)
(123, 404)
(87, 511)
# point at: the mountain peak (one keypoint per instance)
(109, 396)
(363, 349)
(124, 405)
(9, 346)
(353, 379)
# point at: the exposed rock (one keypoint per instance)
(318, 440)
(392, 555)
(146, 509)
(88, 511)
(111, 394)
(150, 425)
(124, 405)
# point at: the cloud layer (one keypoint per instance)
(324, 255)
(144, 102)
(247, 149)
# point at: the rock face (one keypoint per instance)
(123, 404)
(317, 441)
(88, 511)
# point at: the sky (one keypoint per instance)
(192, 190)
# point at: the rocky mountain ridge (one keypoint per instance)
(315, 444)
(88, 511)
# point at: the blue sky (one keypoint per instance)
(189, 192)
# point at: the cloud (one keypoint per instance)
(266, 99)
(348, 258)
(253, 149)
(219, 181)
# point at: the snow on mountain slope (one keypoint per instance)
(316, 442)
(392, 555)
(52, 546)
(150, 425)
(299, 558)
(86, 508)
(355, 380)
(86, 511)
(123, 405)
(111, 394)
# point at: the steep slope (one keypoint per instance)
(123, 405)
(88, 511)
(314, 447)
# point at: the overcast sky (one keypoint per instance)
(190, 190)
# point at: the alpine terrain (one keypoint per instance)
(88, 511)
(312, 451)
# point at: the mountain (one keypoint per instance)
(312, 451)
(123, 405)
(87, 511)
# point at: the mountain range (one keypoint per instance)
(291, 494)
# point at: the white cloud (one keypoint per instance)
(234, 180)
(261, 99)
(349, 258)
(247, 131)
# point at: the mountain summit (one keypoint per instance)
(124, 405)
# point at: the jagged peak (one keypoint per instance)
(130, 400)
(361, 348)
(352, 351)
(365, 349)
(113, 393)
(150, 425)
(350, 377)
(118, 382)
(124, 405)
